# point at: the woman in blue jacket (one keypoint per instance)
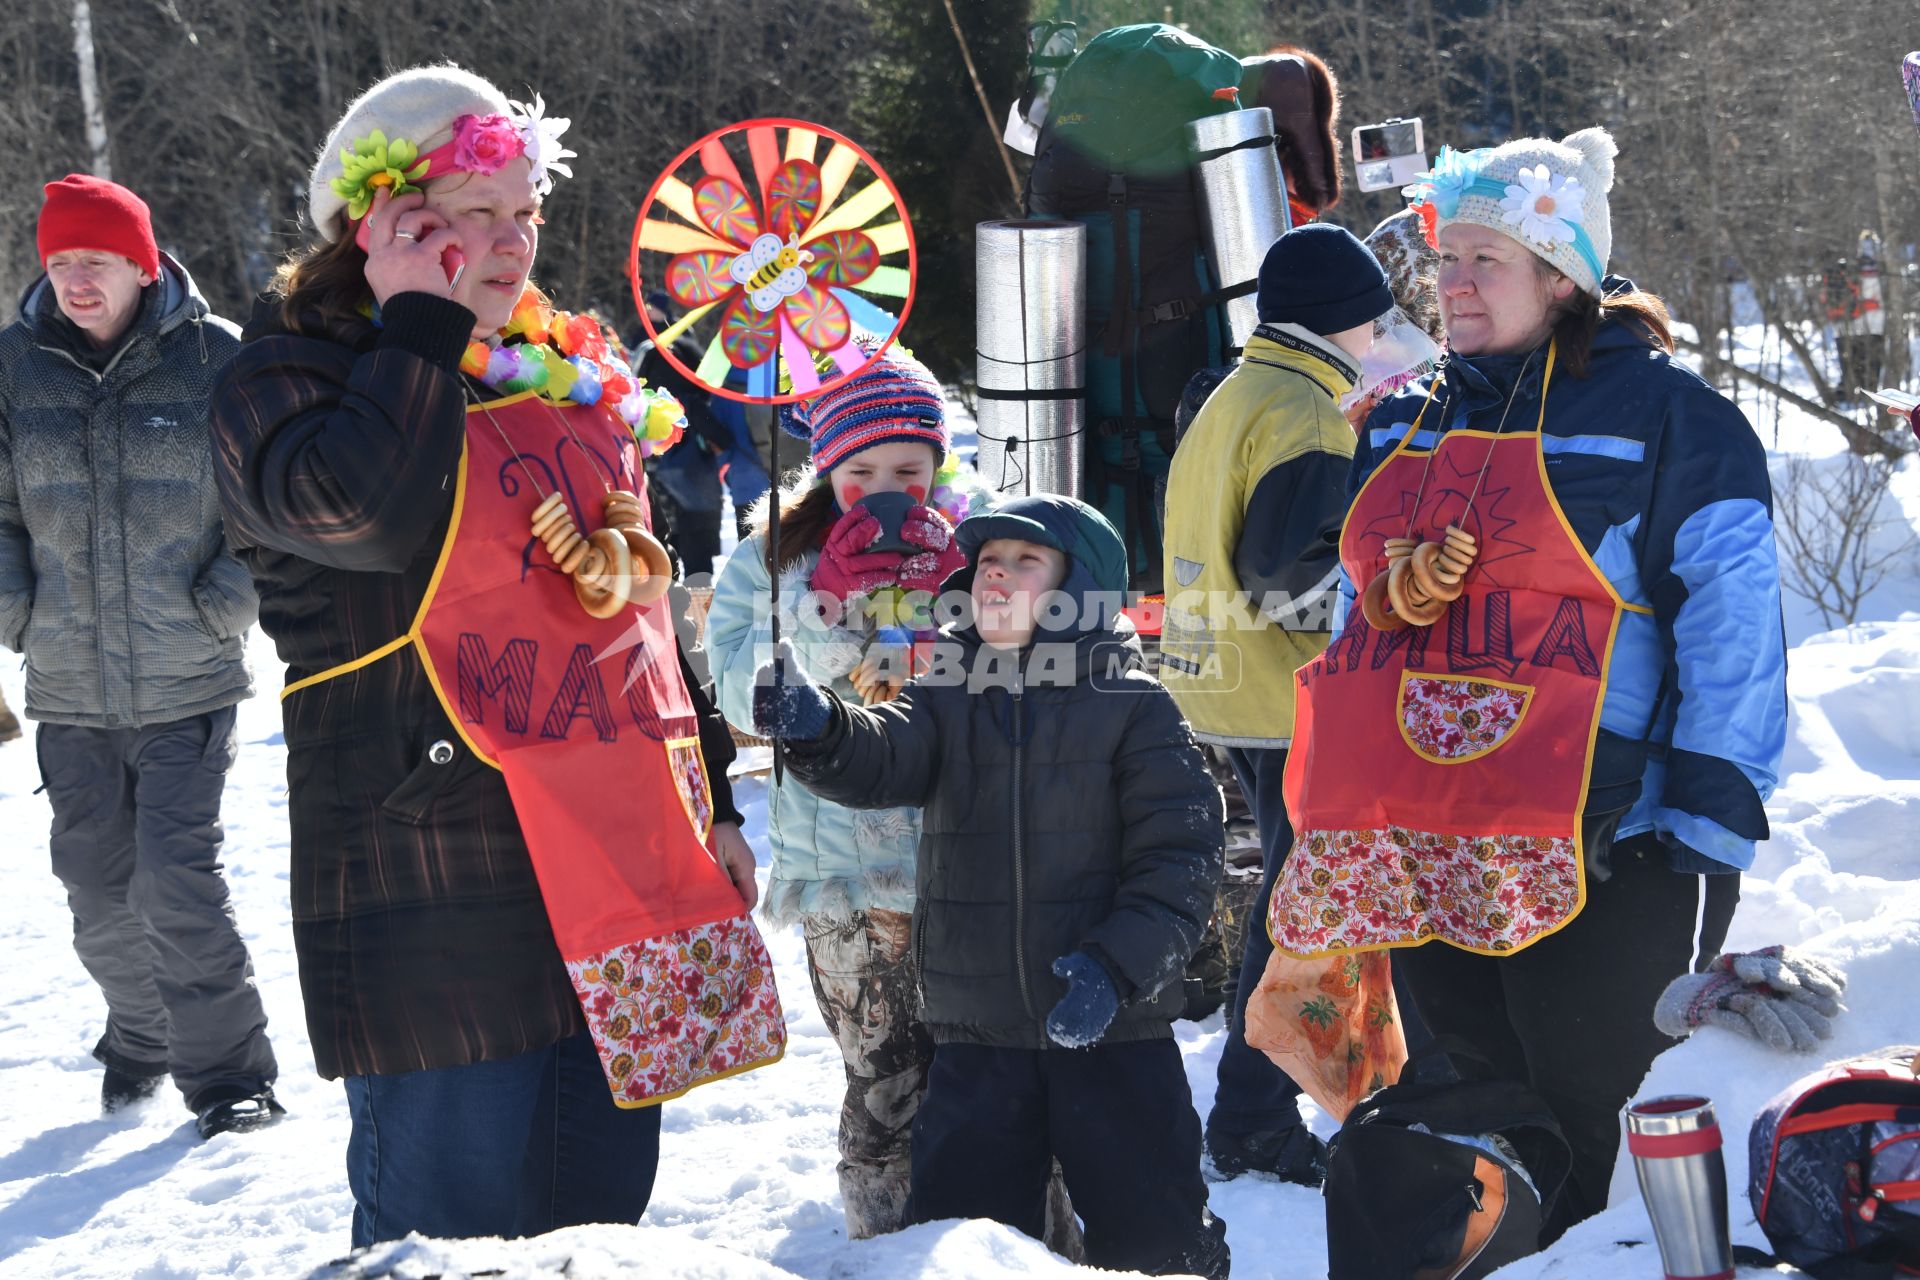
(1560, 692)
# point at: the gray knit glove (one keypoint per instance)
(1720, 999)
(1790, 975)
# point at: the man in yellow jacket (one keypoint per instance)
(1254, 504)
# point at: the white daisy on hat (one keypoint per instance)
(1549, 196)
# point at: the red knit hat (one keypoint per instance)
(85, 212)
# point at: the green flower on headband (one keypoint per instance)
(371, 163)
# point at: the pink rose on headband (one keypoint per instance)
(482, 144)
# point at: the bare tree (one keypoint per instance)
(89, 78)
(217, 108)
(1756, 141)
(1840, 532)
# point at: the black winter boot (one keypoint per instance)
(231, 1109)
(1290, 1155)
(122, 1088)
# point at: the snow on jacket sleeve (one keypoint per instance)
(16, 552)
(1713, 577)
(879, 757)
(1171, 852)
(345, 459)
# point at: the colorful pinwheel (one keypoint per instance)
(777, 276)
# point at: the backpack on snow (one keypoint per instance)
(1834, 1169)
(1441, 1181)
(1113, 155)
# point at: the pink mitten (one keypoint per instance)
(847, 569)
(939, 554)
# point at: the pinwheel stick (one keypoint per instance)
(773, 558)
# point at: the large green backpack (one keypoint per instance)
(1114, 156)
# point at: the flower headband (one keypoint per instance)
(480, 144)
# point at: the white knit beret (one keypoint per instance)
(419, 105)
(1550, 196)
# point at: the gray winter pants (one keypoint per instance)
(136, 841)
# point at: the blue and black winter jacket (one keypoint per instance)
(1665, 484)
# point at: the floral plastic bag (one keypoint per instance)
(1331, 1024)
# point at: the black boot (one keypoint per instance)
(1290, 1155)
(122, 1088)
(231, 1109)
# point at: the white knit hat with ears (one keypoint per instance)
(1550, 196)
(418, 105)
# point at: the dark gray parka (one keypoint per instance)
(115, 579)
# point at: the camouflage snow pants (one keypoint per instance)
(863, 978)
(862, 971)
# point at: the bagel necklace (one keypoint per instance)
(618, 564)
(1422, 578)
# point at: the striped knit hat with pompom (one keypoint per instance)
(893, 398)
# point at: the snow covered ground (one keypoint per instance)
(747, 1189)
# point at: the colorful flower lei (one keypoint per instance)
(568, 359)
(950, 496)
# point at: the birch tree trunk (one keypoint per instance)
(90, 89)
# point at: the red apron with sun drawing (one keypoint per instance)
(1438, 773)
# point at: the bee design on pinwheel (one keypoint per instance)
(771, 272)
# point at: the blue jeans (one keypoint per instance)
(512, 1147)
(1253, 1096)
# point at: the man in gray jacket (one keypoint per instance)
(116, 584)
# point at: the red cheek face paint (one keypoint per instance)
(918, 492)
(850, 494)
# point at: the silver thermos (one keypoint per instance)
(1675, 1144)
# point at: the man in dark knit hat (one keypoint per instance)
(1254, 504)
(116, 583)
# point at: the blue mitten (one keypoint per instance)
(1086, 1011)
(786, 702)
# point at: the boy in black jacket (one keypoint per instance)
(1070, 851)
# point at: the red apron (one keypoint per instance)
(1438, 774)
(590, 722)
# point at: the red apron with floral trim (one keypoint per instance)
(1438, 774)
(591, 724)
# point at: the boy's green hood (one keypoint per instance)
(1096, 558)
